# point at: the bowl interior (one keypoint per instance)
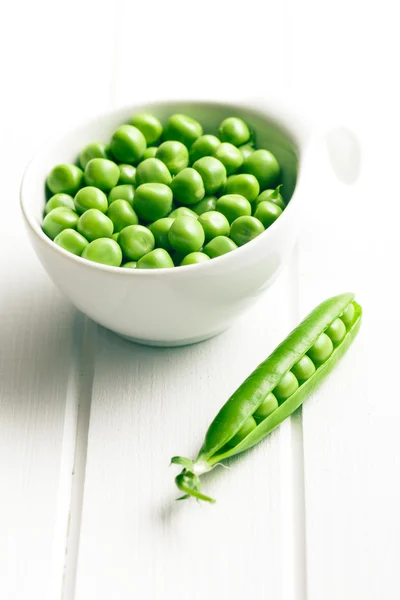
(271, 134)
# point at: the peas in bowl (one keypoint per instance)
(190, 171)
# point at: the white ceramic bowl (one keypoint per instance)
(187, 304)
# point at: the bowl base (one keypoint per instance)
(172, 344)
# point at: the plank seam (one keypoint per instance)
(298, 464)
(293, 546)
(84, 390)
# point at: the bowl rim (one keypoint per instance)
(271, 111)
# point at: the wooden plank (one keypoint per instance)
(350, 425)
(350, 241)
(52, 81)
(37, 330)
(149, 404)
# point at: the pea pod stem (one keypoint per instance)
(223, 439)
(189, 484)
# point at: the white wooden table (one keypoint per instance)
(88, 422)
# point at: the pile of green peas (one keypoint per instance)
(163, 196)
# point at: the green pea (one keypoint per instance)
(152, 170)
(128, 144)
(246, 150)
(90, 197)
(321, 350)
(266, 407)
(233, 206)
(194, 258)
(214, 224)
(65, 179)
(243, 432)
(213, 173)
(156, 259)
(160, 230)
(186, 235)
(149, 125)
(267, 213)
(72, 241)
(136, 241)
(115, 236)
(150, 152)
(94, 224)
(348, 315)
(273, 196)
(336, 331)
(244, 184)
(127, 175)
(59, 219)
(174, 155)
(208, 203)
(205, 145)
(93, 150)
(122, 192)
(218, 246)
(264, 166)
(182, 211)
(121, 214)
(101, 173)
(59, 201)
(286, 387)
(183, 129)
(245, 229)
(104, 251)
(130, 265)
(152, 201)
(230, 157)
(187, 186)
(304, 368)
(234, 131)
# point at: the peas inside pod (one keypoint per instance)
(165, 194)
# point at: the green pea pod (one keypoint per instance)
(235, 429)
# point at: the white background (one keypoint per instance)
(88, 422)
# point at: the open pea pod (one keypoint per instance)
(273, 392)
